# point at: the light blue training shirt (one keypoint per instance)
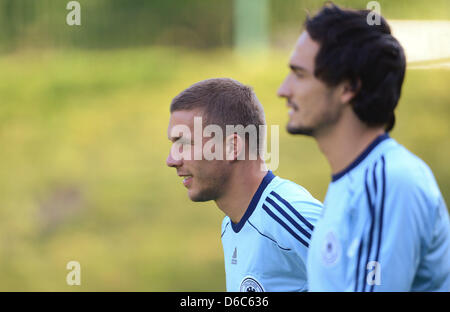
(385, 226)
(267, 249)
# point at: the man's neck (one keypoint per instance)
(346, 142)
(243, 184)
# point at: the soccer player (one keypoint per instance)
(269, 220)
(385, 225)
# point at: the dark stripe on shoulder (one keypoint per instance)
(225, 229)
(294, 211)
(288, 217)
(267, 236)
(374, 178)
(357, 264)
(372, 224)
(380, 223)
(270, 213)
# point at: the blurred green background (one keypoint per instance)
(83, 119)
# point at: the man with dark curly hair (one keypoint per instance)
(385, 225)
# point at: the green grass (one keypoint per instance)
(83, 176)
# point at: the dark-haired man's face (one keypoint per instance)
(313, 105)
(204, 179)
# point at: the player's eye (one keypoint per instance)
(183, 142)
(298, 74)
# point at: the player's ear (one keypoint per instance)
(234, 146)
(348, 90)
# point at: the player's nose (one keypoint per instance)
(173, 161)
(283, 90)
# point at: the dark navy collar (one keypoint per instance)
(361, 157)
(254, 202)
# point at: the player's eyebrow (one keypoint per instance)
(173, 139)
(297, 68)
(181, 138)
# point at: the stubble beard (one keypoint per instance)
(300, 130)
(204, 195)
(212, 191)
(326, 122)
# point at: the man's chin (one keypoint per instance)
(299, 130)
(198, 197)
